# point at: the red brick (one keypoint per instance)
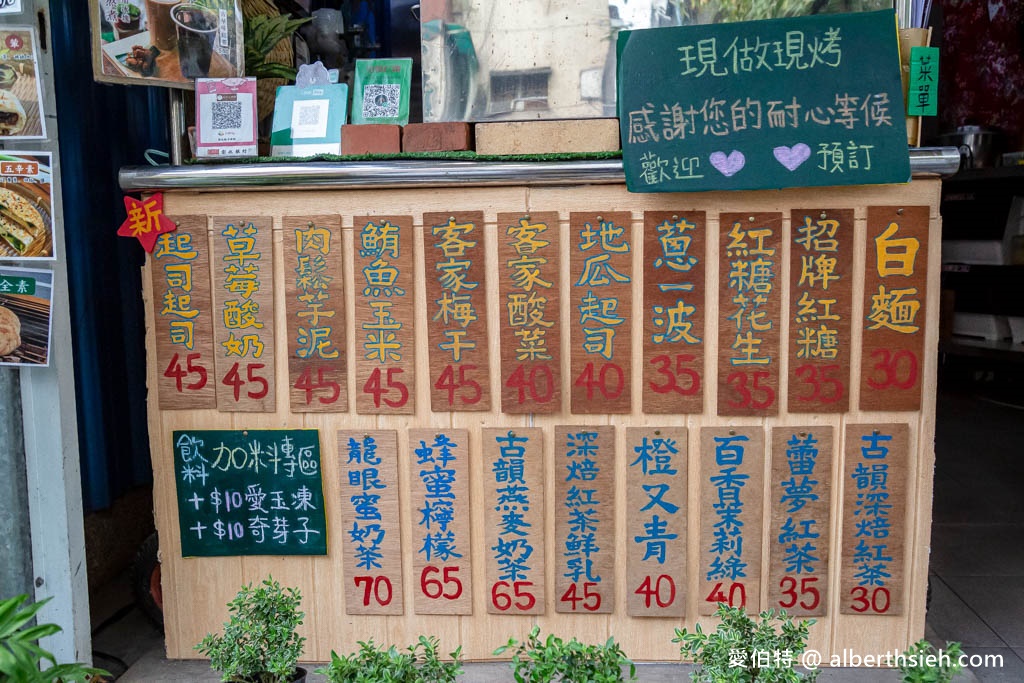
(450, 136)
(371, 138)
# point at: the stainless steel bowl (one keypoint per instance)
(979, 146)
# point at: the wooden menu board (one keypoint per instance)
(250, 492)
(455, 246)
(370, 542)
(585, 519)
(315, 308)
(439, 481)
(799, 539)
(749, 304)
(513, 464)
(656, 521)
(385, 348)
(895, 286)
(874, 519)
(673, 311)
(732, 488)
(181, 312)
(601, 300)
(528, 259)
(820, 310)
(243, 314)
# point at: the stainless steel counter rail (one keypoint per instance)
(336, 175)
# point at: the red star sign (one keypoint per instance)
(146, 221)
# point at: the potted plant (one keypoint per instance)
(922, 663)
(743, 650)
(554, 659)
(20, 653)
(259, 644)
(419, 663)
(127, 19)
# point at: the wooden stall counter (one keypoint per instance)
(466, 407)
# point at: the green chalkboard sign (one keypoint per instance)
(800, 102)
(250, 492)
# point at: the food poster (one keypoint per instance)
(166, 42)
(21, 93)
(25, 296)
(26, 206)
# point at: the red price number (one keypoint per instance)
(437, 583)
(806, 594)
(825, 385)
(377, 588)
(305, 383)
(539, 384)
(178, 374)
(660, 591)
(505, 595)
(234, 380)
(752, 389)
(678, 378)
(736, 596)
(609, 380)
(876, 601)
(448, 382)
(382, 391)
(897, 370)
(590, 599)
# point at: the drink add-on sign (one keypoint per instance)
(800, 102)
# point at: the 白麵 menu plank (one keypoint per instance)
(674, 310)
(528, 272)
(820, 310)
(456, 274)
(895, 298)
(371, 546)
(384, 315)
(243, 313)
(439, 484)
(749, 321)
(601, 296)
(315, 313)
(183, 327)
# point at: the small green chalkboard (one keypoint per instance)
(801, 102)
(250, 492)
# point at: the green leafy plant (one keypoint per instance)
(536, 661)
(419, 663)
(739, 650)
(259, 644)
(923, 663)
(126, 9)
(262, 34)
(20, 653)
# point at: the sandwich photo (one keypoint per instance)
(10, 331)
(21, 223)
(12, 114)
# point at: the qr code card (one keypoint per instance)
(225, 117)
(381, 89)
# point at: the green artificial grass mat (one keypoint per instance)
(439, 156)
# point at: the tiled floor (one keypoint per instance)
(977, 564)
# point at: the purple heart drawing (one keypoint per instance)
(728, 165)
(792, 157)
